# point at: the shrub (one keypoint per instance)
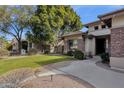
(78, 54)
(4, 52)
(46, 52)
(14, 78)
(32, 51)
(70, 53)
(105, 57)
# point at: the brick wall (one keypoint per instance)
(117, 42)
(81, 45)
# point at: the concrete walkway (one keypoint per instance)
(99, 77)
(95, 75)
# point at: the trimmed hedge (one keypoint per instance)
(76, 53)
(46, 52)
(70, 53)
(105, 57)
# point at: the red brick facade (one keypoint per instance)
(81, 45)
(117, 42)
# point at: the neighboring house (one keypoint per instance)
(26, 46)
(70, 41)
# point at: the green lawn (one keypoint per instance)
(30, 61)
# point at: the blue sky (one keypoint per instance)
(89, 13)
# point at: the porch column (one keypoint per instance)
(107, 45)
(93, 46)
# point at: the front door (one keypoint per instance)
(100, 45)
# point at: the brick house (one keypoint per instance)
(70, 41)
(116, 22)
(103, 35)
(107, 35)
(97, 40)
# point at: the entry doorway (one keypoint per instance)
(100, 45)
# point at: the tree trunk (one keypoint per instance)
(19, 46)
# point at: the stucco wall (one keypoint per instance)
(118, 21)
(100, 32)
(90, 46)
(73, 37)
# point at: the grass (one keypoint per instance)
(29, 61)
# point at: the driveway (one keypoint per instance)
(87, 70)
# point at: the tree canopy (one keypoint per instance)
(14, 21)
(50, 22)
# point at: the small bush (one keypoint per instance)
(4, 52)
(78, 54)
(32, 51)
(46, 52)
(14, 78)
(70, 53)
(105, 57)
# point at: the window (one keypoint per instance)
(75, 42)
(72, 44)
(96, 27)
(103, 26)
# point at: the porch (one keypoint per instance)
(97, 42)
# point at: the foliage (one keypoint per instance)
(51, 21)
(78, 54)
(46, 52)
(105, 57)
(29, 61)
(32, 51)
(4, 52)
(70, 53)
(4, 41)
(14, 21)
(13, 78)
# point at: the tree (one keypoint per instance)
(4, 42)
(41, 33)
(50, 22)
(14, 21)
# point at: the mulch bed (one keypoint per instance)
(58, 81)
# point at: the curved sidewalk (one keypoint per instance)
(95, 75)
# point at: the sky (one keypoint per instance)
(89, 13)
